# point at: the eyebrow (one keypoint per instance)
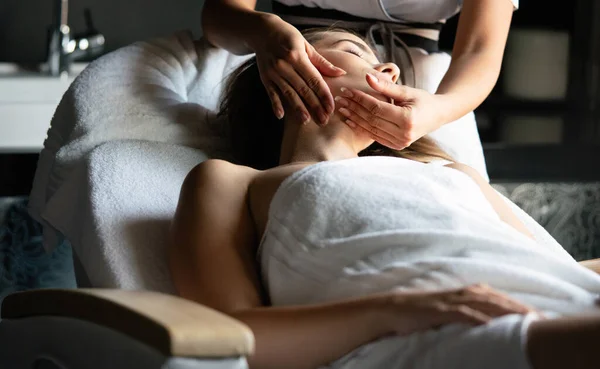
(363, 47)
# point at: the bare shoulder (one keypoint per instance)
(220, 172)
(212, 231)
(220, 167)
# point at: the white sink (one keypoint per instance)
(21, 85)
(13, 70)
(27, 102)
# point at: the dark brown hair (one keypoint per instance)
(256, 133)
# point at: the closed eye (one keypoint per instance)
(355, 52)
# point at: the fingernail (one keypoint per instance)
(279, 114)
(345, 112)
(373, 76)
(350, 123)
(330, 108)
(323, 118)
(346, 92)
(305, 117)
(341, 101)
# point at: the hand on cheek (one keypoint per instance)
(405, 115)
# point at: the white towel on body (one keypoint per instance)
(355, 227)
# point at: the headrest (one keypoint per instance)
(164, 90)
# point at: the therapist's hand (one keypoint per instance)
(413, 113)
(291, 71)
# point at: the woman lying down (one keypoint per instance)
(340, 252)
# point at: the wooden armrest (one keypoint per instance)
(170, 324)
(592, 264)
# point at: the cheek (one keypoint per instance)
(355, 78)
(349, 81)
(357, 82)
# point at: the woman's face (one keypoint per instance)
(353, 55)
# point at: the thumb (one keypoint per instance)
(382, 84)
(322, 64)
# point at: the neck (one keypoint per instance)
(313, 143)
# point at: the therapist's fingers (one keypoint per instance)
(294, 101)
(323, 65)
(305, 92)
(276, 104)
(271, 87)
(399, 93)
(382, 140)
(374, 132)
(313, 77)
(379, 128)
(378, 114)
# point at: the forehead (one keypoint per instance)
(332, 37)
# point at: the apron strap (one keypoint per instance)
(395, 37)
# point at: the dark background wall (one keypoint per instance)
(24, 23)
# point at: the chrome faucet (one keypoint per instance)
(63, 48)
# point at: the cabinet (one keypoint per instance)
(542, 119)
(27, 103)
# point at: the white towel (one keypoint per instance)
(381, 223)
(116, 209)
(355, 227)
(164, 90)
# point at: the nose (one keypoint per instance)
(391, 70)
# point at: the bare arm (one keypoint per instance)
(291, 69)
(477, 56)
(476, 59)
(502, 209)
(212, 261)
(233, 24)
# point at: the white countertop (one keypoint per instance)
(27, 102)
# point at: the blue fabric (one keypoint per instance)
(24, 264)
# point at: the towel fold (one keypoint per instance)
(350, 228)
(164, 90)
